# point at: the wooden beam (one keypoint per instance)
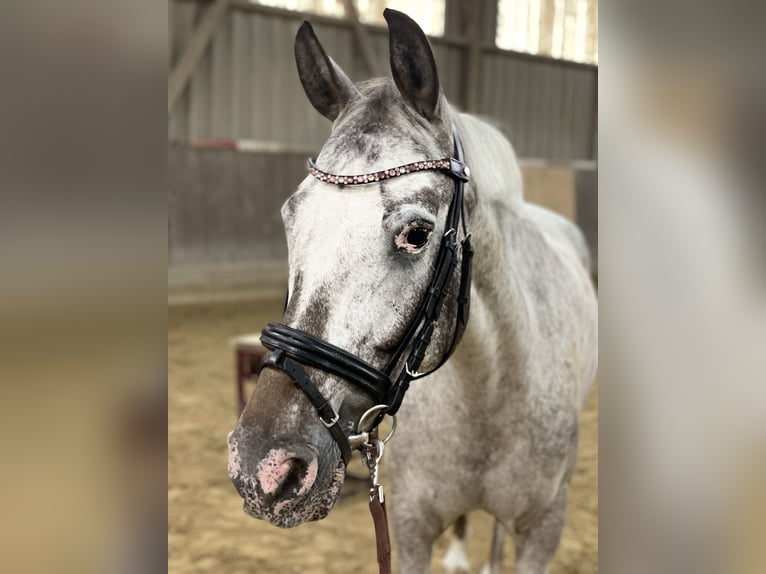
(539, 58)
(360, 37)
(194, 49)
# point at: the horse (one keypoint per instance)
(496, 426)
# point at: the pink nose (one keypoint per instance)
(284, 474)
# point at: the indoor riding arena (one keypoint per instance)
(239, 133)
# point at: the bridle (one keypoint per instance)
(293, 349)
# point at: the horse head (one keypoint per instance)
(360, 261)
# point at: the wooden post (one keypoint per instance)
(476, 23)
(489, 22)
(454, 20)
(195, 48)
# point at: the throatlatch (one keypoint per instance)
(292, 349)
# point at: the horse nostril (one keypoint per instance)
(283, 474)
(293, 479)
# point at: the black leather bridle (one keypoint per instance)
(293, 349)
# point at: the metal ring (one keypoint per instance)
(450, 231)
(371, 413)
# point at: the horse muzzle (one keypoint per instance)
(286, 486)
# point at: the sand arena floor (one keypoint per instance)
(208, 531)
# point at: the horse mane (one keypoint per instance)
(494, 168)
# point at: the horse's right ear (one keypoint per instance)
(412, 63)
(325, 84)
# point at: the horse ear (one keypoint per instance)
(412, 63)
(326, 85)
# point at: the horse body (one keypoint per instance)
(496, 427)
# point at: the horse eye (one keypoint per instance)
(418, 236)
(413, 237)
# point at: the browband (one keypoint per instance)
(291, 348)
(450, 165)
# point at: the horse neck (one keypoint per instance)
(499, 312)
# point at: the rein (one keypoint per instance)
(293, 349)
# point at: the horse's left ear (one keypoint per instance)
(412, 63)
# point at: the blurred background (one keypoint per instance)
(240, 129)
(112, 204)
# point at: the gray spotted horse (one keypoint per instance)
(383, 235)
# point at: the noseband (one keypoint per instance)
(293, 349)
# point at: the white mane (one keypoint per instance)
(489, 154)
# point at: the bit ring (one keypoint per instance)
(365, 422)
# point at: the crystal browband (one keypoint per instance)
(432, 164)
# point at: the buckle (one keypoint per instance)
(332, 422)
(459, 170)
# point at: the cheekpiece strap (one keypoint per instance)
(278, 360)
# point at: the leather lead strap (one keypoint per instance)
(382, 538)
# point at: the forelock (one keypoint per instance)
(378, 125)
